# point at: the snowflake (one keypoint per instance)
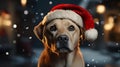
(26, 12)
(102, 33)
(14, 41)
(23, 50)
(117, 44)
(104, 61)
(36, 13)
(88, 44)
(41, 14)
(14, 25)
(50, 2)
(96, 61)
(90, 10)
(100, 1)
(27, 28)
(93, 60)
(102, 22)
(32, 6)
(97, 23)
(115, 16)
(25, 19)
(42, 17)
(34, 21)
(30, 37)
(18, 35)
(7, 53)
(88, 65)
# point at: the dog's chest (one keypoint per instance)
(63, 62)
(60, 64)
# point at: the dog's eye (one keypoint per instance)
(53, 28)
(71, 28)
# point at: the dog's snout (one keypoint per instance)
(63, 38)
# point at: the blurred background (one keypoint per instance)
(19, 47)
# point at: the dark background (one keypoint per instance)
(20, 47)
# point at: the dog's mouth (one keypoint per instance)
(64, 50)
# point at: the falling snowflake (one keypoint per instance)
(88, 65)
(102, 33)
(36, 13)
(88, 44)
(117, 44)
(102, 22)
(90, 10)
(7, 53)
(34, 21)
(14, 41)
(97, 23)
(25, 19)
(100, 1)
(18, 35)
(26, 12)
(93, 60)
(50, 2)
(23, 50)
(115, 17)
(41, 14)
(30, 37)
(32, 6)
(14, 25)
(104, 61)
(27, 28)
(96, 61)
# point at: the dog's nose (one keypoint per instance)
(63, 38)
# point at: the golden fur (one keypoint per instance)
(50, 56)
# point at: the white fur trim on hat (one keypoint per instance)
(91, 34)
(68, 14)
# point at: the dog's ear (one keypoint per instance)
(82, 36)
(38, 31)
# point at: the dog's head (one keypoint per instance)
(60, 30)
(59, 35)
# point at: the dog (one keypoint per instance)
(61, 38)
(61, 32)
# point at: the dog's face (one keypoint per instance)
(61, 35)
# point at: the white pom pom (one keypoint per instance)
(91, 34)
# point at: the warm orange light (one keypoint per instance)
(110, 23)
(5, 19)
(23, 2)
(110, 20)
(7, 23)
(108, 27)
(100, 9)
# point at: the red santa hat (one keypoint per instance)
(75, 13)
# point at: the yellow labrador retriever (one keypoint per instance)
(61, 40)
(61, 32)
